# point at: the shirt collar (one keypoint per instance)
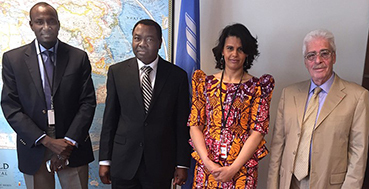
(325, 86)
(153, 64)
(42, 48)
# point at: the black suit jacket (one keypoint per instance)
(160, 137)
(24, 106)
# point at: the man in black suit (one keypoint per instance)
(48, 99)
(144, 148)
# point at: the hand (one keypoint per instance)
(61, 147)
(180, 176)
(104, 173)
(57, 163)
(224, 174)
(210, 165)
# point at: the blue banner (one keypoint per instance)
(188, 41)
(188, 52)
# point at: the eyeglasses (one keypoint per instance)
(325, 54)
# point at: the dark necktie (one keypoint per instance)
(48, 77)
(146, 87)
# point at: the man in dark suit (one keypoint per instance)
(48, 99)
(144, 144)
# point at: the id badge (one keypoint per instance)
(223, 151)
(51, 117)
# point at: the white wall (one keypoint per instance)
(280, 26)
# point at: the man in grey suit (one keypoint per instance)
(48, 98)
(326, 149)
(144, 134)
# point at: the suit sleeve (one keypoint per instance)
(11, 104)
(358, 144)
(183, 109)
(277, 146)
(110, 119)
(82, 121)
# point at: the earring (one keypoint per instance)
(222, 62)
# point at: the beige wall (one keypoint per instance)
(280, 26)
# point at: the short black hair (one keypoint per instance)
(149, 22)
(44, 4)
(249, 45)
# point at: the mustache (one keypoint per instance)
(319, 66)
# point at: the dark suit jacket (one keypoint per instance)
(160, 136)
(24, 106)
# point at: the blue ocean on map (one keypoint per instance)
(103, 28)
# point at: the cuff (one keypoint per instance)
(105, 162)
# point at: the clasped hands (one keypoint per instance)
(61, 149)
(220, 174)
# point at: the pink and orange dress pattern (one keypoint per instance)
(249, 111)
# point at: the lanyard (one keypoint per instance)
(224, 121)
(50, 83)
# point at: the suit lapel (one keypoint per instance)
(31, 60)
(334, 97)
(61, 64)
(133, 79)
(300, 100)
(162, 73)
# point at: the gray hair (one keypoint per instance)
(320, 33)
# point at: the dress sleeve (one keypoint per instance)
(197, 116)
(261, 105)
(260, 112)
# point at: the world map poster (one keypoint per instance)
(102, 28)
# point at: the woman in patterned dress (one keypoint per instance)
(230, 115)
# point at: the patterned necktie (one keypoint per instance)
(302, 159)
(146, 87)
(48, 77)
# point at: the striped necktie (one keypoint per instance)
(146, 87)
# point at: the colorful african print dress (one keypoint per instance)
(250, 110)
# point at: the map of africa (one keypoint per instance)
(103, 29)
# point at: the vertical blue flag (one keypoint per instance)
(188, 52)
(188, 41)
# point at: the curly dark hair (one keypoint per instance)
(249, 45)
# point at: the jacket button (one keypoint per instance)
(294, 152)
(44, 111)
(141, 144)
